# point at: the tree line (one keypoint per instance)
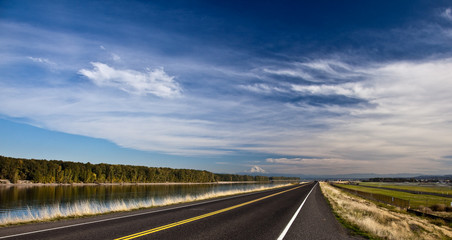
(390, 180)
(54, 171)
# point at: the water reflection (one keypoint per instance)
(18, 200)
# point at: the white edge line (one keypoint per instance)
(283, 234)
(132, 215)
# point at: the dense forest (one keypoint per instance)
(53, 171)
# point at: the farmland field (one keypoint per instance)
(432, 188)
(416, 200)
(380, 222)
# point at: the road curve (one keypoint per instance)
(262, 215)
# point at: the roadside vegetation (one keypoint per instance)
(362, 215)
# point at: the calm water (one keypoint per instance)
(21, 200)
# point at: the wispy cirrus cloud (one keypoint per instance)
(404, 127)
(153, 81)
(316, 71)
(405, 113)
(313, 166)
(212, 99)
(41, 60)
(309, 162)
(262, 88)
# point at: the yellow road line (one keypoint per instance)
(153, 230)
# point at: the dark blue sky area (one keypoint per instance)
(293, 29)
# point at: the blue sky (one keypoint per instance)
(285, 87)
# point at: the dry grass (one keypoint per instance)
(381, 222)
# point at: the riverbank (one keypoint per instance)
(131, 201)
(4, 182)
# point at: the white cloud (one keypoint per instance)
(406, 126)
(285, 160)
(126, 121)
(289, 72)
(311, 161)
(256, 169)
(42, 60)
(262, 88)
(115, 57)
(313, 166)
(343, 89)
(328, 66)
(155, 81)
(223, 163)
(447, 13)
(318, 71)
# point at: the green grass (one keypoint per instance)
(432, 188)
(415, 199)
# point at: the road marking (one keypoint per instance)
(283, 234)
(132, 215)
(157, 229)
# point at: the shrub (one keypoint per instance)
(449, 209)
(438, 207)
(424, 209)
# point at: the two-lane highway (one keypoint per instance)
(295, 212)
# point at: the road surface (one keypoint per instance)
(295, 212)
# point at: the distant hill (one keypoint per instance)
(349, 176)
(435, 177)
(369, 175)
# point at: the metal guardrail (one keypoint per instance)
(402, 203)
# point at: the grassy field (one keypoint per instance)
(381, 223)
(432, 188)
(416, 200)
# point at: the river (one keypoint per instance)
(22, 203)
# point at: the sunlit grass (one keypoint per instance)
(412, 187)
(84, 208)
(381, 222)
(416, 200)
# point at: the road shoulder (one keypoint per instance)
(316, 220)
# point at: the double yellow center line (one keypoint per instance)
(157, 229)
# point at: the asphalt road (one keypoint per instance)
(295, 212)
